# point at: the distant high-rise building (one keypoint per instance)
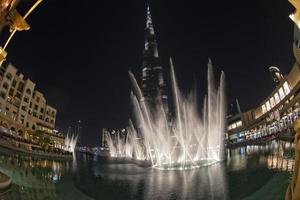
(153, 85)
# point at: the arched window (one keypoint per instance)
(28, 91)
(33, 127)
(47, 119)
(9, 76)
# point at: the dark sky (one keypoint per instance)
(79, 52)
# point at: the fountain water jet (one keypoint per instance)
(189, 141)
(70, 142)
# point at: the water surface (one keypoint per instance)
(251, 172)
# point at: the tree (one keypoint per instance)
(42, 138)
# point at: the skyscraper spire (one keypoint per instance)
(149, 24)
(150, 38)
(153, 86)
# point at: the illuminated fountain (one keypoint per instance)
(70, 143)
(190, 140)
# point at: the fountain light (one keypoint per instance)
(70, 143)
(190, 140)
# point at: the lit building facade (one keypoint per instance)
(23, 108)
(153, 84)
(278, 111)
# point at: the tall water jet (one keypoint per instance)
(188, 140)
(70, 142)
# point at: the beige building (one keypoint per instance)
(22, 107)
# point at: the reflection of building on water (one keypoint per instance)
(281, 163)
(34, 177)
(279, 158)
(274, 155)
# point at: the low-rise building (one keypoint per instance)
(24, 109)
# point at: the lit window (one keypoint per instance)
(281, 93)
(277, 99)
(272, 102)
(264, 110)
(233, 125)
(239, 123)
(286, 88)
(268, 106)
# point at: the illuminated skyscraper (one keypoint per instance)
(153, 85)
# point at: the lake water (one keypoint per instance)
(249, 172)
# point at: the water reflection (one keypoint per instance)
(144, 183)
(31, 177)
(246, 170)
(277, 155)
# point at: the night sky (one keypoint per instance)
(79, 52)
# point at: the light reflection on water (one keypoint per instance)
(245, 171)
(275, 155)
(156, 184)
(32, 178)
